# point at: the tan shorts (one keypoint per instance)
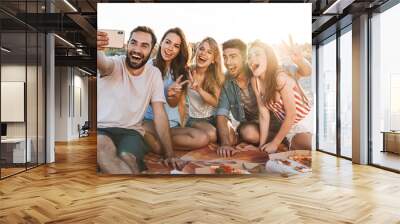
(303, 126)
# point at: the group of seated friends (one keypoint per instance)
(176, 101)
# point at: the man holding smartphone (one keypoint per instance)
(126, 86)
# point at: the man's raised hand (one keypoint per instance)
(102, 40)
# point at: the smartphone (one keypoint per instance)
(116, 38)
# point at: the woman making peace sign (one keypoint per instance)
(171, 59)
(206, 80)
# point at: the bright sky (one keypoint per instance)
(270, 23)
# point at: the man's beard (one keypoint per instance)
(240, 71)
(136, 65)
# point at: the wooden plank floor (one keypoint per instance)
(387, 159)
(70, 191)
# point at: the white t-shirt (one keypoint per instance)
(122, 98)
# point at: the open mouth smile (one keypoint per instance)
(168, 54)
(254, 67)
(202, 59)
(136, 57)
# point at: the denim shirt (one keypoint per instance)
(230, 100)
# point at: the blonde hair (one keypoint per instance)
(214, 77)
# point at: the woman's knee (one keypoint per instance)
(199, 138)
(209, 129)
(249, 133)
(301, 141)
(212, 134)
(156, 147)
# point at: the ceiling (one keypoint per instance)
(77, 23)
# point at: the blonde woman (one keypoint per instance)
(206, 79)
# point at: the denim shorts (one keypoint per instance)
(211, 120)
(128, 141)
(172, 124)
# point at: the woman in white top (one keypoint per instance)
(172, 59)
(206, 80)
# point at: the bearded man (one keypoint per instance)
(126, 86)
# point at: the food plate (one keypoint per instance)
(216, 167)
(286, 166)
(301, 156)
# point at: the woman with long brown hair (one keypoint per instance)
(281, 94)
(172, 59)
(206, 79)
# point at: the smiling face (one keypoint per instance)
(204, 55)
(233, 61)
(257, 60)
(138, 49)
(170, 47)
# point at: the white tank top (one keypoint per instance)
(197, 107)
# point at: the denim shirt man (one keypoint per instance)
(230, 100)
(237, 97)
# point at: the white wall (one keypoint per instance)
(80, 110)
(70, 84)
(12, 73)
(17, 73)
(33, 127)
(61, 103)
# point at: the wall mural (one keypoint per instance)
(204, 88)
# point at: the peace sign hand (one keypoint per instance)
(293, 50)
(176, 87)
(196, 82)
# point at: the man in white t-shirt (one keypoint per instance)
(126, 86)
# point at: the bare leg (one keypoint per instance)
(226, 132)
(301, 141)
(249, 133)
(189, 138)
(153, 143)
(130, 159)
(207, 128)
(233, 138)
(107, 158)
(182, 138)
